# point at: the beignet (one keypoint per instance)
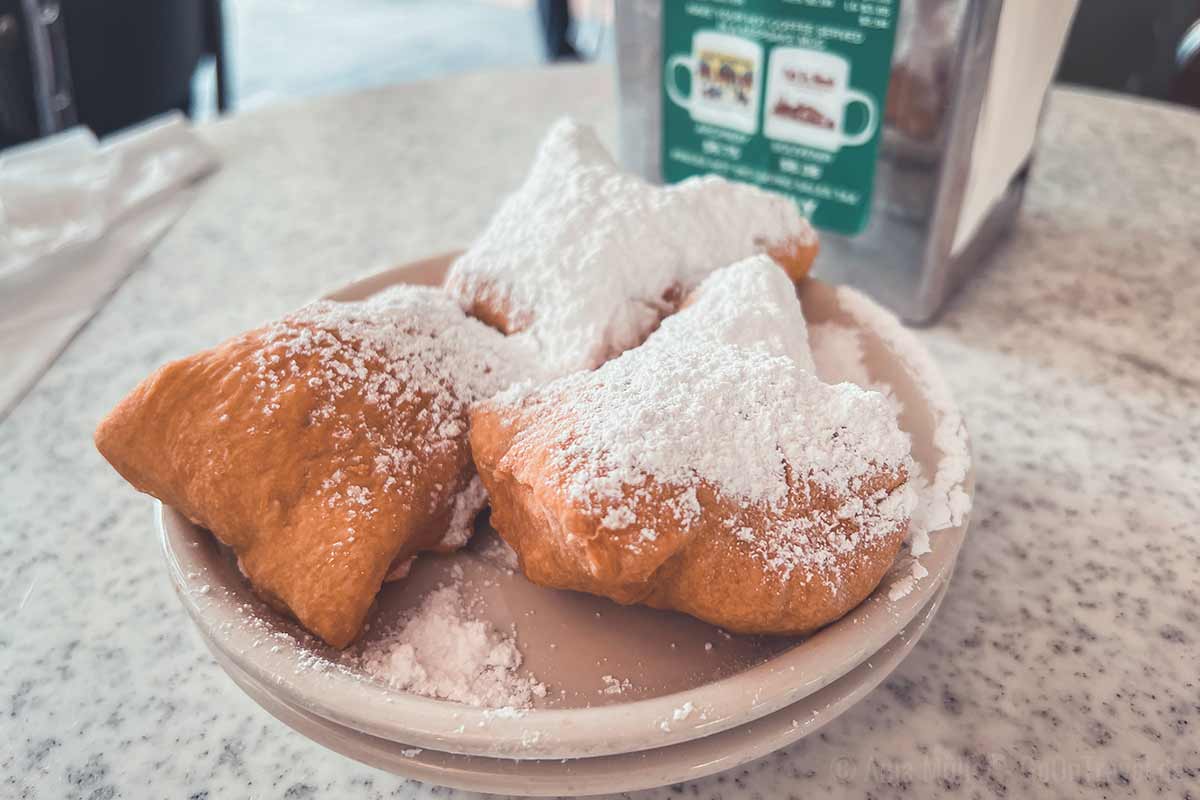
(707, 471)
(323, 448)
(585, 259)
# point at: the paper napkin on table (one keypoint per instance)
(1029, 42)
(76, 216)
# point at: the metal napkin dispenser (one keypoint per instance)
(903, 128)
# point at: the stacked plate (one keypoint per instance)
(637, 697)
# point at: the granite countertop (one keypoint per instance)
(1064, 660)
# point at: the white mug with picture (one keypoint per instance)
(807, 95)
(726, 80)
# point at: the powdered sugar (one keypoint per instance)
(494, 550)
(944, 501)
(838, 354)
(753, 305)
(440, 650)
(613, 685)
(715, 396)
(683, 712)
(587, 259)
(903, 587)
(467, 505)
(391, 348)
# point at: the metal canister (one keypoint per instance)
(948, 179)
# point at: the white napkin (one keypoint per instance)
(76, 216)
(1028, 45)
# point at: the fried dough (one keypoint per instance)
(324, 448)
(586, 260)
(707, 471)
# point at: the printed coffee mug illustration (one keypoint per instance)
(807, 95)
(725, 82)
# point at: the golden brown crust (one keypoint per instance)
(488, 305)
(705, 569)
(796, 256)
(295, 493)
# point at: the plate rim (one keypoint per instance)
(466, 730)
(551, 783)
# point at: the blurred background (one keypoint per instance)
(110, 63)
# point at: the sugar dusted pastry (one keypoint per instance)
(324, 448)
(706, 471)
(586, 259)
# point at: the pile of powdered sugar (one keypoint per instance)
(752, 305)
(943, 501)
(442, 650)
(587, 259)
(837, 354)
(716, 395)
(409, 349)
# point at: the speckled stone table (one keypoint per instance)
(1064, 661)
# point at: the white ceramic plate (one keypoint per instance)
(617, 773)
(570, 641)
